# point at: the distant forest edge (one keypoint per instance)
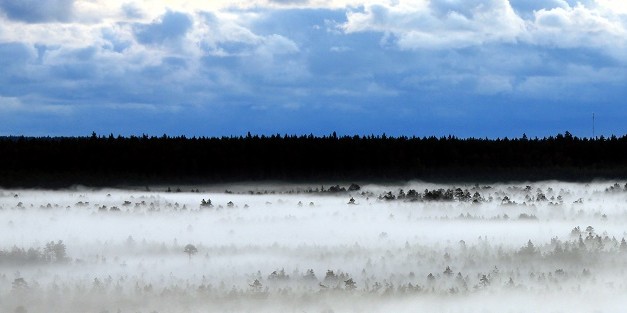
(138, 160)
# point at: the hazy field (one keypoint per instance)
(284, 249)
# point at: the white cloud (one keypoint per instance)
(124, 52)
(136, 54)
(439, 24)
(215, 29)
(276, 45)
(446, 24)
(613, 6)
(9, 103)
(407, 24)
(340, 49)
(277, 60)
(579, 27)
(493, 84)
(579, 82)
(14, 105)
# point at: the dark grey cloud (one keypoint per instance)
(38, 11)
(171, 26)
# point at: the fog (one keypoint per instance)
(414, 247)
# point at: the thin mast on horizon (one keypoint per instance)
(593, 136)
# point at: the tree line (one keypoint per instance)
(109, 160)
(52, 252)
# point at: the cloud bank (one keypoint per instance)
(226, 67)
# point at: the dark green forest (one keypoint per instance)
(142, 160)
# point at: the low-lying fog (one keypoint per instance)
(527, 247)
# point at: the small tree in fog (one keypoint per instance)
(528, 249)
(330, 277)
(310, 275)
(278, 275)
(484, 280)
(256, 286)
(206, 203)
(430, 278)
(448, 271)
(623, 245)
(19, 284)
(190, 249)
(350, 284)
(510, 283)
(55, 252)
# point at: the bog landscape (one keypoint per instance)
(412, 247)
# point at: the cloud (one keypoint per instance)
(14, 54)
(579, 26)
(439, 24)
(276, 45)
(38, 11)
(581, 82)
(525, 8)
(226, 34)
(493, 84)
(381, 57)
(299, 2)
(160, 64)
(171, 26)
(450, 24)
(10, 105)
(131, 10)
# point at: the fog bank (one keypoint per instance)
(536, 247)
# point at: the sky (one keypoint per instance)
(468, 68)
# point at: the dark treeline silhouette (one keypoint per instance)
(109, 160)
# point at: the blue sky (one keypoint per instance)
(482, 68)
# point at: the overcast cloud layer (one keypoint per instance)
(468, 68)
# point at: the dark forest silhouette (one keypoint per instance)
(136, 160)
